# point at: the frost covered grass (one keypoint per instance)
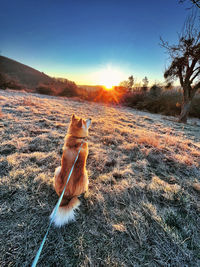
(143, 205)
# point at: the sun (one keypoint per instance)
(108, 86)
(109, 77)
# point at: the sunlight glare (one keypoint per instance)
(109, 77)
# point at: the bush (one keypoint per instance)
(14, 85)
(44, 89)
(6, 82)
(3, 81)
(155, 90)
(167, 103)
(195, 107)
(132, 99)
(144, 88)
(69, 89)
(58, 87)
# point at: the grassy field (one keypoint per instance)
(144, 169)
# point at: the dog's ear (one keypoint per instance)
(88, 122)
(80, 123)
(73, 117)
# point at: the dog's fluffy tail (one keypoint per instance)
(65, 213)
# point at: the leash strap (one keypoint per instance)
(55, 210)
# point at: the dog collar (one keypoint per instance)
(77, 137)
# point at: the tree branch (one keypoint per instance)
(196, 2)
(196, 87)
(198, 72)
(198, 68)
(190, 69)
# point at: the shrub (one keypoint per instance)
(44, 89)
(132, 99)
(69, 89)
(3, 81)
(144, 88)
(13, 84)
(167, 103)
(155, 90)
(195, 107)
(6, 82)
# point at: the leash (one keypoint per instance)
(56, 209)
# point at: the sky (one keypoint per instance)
(85, 40)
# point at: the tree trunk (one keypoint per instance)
(188, 94)
(185, 110)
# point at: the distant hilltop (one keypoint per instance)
(25, 75)
(17, 76)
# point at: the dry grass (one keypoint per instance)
(143, 207)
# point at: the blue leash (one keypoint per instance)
(55, 211)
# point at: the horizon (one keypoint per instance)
(89, 42)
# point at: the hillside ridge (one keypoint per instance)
(24, 74)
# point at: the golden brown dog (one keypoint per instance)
(78, 183)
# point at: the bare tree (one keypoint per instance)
(145, 81)
(195, 2)
(185, 63)
(128, 83)
(131, 82)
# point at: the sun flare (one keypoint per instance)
(109, 77)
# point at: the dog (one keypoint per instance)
(78, 182)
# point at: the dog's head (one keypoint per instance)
(78, 126)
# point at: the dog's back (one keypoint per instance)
(78, 183)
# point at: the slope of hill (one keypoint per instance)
(144, 171)
(25, 75)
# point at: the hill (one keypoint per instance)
(143, 205)
(23, 74)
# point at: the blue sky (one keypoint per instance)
(76, 39)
